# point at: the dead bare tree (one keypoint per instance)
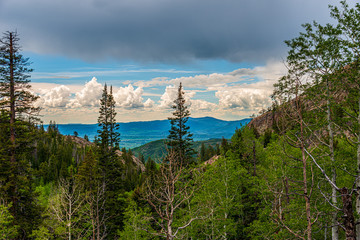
(66, 208)
(95, 211)
(170, 191)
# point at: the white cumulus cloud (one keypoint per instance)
(56, 97)
(244, 99)
(201, 105)
(149, 103)
(89, 96)
(128, 97)
(170, 94)
(167, 99)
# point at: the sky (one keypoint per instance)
(227, 53)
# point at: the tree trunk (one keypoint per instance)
(349, 220)
(12, 98)
(307, 201)
(304, 161)
(334, 228)
(12, 118)
(358, 181)
(169, 233)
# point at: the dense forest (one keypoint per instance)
(292, 173)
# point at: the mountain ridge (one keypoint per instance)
(137, 133)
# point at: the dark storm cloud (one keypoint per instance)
(160, 30)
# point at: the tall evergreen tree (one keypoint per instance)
(15, 97)
(17, 131)
(114, 135)
(108, 132)
(110, 163)
(103, 120)
(180, 139)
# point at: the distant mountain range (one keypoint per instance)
(134, 134)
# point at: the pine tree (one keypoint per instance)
(17, 134)
(15, 97)
(113, 126)
(108, 135)
(180, 139)
(110, 163)
(202, 152)
(103, 120)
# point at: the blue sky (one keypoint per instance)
(227, 54)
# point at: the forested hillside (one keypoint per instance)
(291, 173)
(156, 150)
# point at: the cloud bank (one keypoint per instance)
(238, 93)
(56, 97)
(160, 30)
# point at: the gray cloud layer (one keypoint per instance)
(160, 30)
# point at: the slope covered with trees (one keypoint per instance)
(156, 150)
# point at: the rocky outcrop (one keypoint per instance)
(211, 160)
(263, 122)
(80, 141)
(137, 161)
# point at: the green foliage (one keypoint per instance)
(43, 192)
(55, 156)
(202, 153)
(42, 233)
(320, 102)
(16, 127)
(156, 150)
(227, 197)
(224, 147)
(7, 228)
(245, 146)
(86, 137)
(208, 151)
(131, 171)
(220, 196)
(137, 224)
(16, 187)
(89, 173)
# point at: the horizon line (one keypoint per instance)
(150, 121)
